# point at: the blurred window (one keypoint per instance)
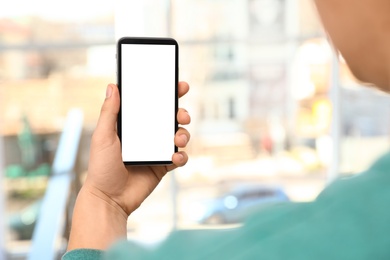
(262, 77)
(53, 57)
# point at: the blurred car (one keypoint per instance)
(235, 205)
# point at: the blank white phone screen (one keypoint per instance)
(148, 102)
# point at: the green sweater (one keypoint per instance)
(350, 219)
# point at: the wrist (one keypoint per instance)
(95, 194)
(97, 221)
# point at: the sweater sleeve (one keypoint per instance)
(83, 254)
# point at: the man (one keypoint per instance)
(349, 219)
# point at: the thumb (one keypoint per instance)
(109, 111)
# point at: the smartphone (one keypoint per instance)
(148, 82)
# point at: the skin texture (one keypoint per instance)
(112, 191)
(360, 30)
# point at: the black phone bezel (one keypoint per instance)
(147, 41)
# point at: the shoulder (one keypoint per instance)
(347, 221)
(363, 186)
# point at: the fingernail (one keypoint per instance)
(108, 91)
(184, 138)
(181, 157)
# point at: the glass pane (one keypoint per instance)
(53, 58)
(261, 79)
(365, 131)
(260, 75)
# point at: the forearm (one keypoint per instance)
(97, 221)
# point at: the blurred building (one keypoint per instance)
(13, 33)
(253, 89)
(260, 76)
(46, 69)
(243, 58)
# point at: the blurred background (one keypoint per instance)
(276, 115)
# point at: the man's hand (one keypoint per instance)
(112, 191)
